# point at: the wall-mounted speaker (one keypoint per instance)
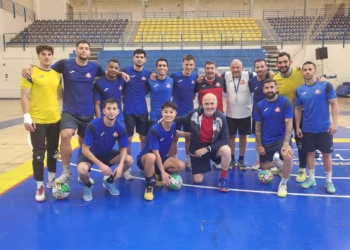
(321, 53)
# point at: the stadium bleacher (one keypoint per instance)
(296, 27)
(222, 58)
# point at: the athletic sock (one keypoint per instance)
(148, 181)
(51, 176)
(241, 158)
(233, 158)
(311, 173)
(302, 169)
(110, 179)
(89, 184)
(283, 181)
(329, 176)
(39, 184)
(223, 173)
(175, 156)
(257, 155)
(66, 169)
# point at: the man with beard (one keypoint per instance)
(256, 87)
(288, 80)
(110, 86)
(273, 129)
(135, 106)
(99, 140)
(314, 98)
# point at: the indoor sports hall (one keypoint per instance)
(197, 216)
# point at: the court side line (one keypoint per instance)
(335, 140)
(251, 191)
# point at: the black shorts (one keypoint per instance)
(140, 121)
(72, 121)
(321, 141)
(151, 123)
(105, 159)
(183, 127)
(201, 165)
(243, 125)
(156, 169)
(271, 149)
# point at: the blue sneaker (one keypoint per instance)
(88, 193)
(111, 188)
(223, 185)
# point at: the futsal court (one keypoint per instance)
(249, 216)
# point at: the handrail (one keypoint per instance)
(193, 14)
(17, 9)
(300, 12)
(99, 15)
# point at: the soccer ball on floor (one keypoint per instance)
(265, 176)
(175, 181)
(60, 190)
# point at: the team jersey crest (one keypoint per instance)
(168, 86)
(143, 78)
(217, 84)
(242, 82)
(317, 92)
(278, 109)
(88, 75)
(115, 134)
(192, 82)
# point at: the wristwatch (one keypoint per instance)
(208, 148)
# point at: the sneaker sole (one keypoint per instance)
(128, 178)
(87, 199)
(40, 200)
(282, 196)
(223, 190)
(308, 186)
(110, 190)
(299, 181)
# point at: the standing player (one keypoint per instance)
(238, 109)
(317, 131)
(211, 83)
(135, 106)
(160, 90)
(110, 86)
(42, 117)
(209, 139)
(184, 83)
(288, 80)
(153, 159)
(99, 140)
(256, 87)
(274, 125)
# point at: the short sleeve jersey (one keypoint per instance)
(215, 87)
(237, 95)
(102, 139)
(183, 91)
(160, 92)
(159, 139)
(104, 89)
(43, 87)
(287, 86)
(256, 87)
(272, 115)
(78, 85)
(135, 91)
(314, 101)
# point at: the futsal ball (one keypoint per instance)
(265, 176)
(60, 190)
(175, 181)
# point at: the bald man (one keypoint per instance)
(238, 109)
(209, 140)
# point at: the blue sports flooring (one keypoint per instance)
(250, 216)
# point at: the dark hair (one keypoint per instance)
(188, 58)
(139, 51)
(259, 60)
(169, 105)
(268, 80)
(82, 41)
(309, 62)
(114, 61)
(162, 60)
(209, 63)
(40, 48)
(111, 100)
(283, 54)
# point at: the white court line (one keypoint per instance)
(249, 191)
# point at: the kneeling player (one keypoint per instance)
(273, 128)
(153, 159)
(99, 140)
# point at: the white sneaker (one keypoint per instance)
(188, 162)
(217, 166)
(40, 194)
(127, 175)
(91, 180)
(49, 184)
(256, 166)
(64, 178)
